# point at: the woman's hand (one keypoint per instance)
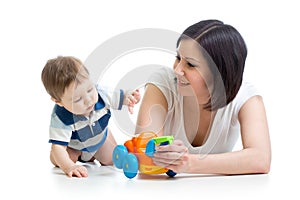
(173, 156)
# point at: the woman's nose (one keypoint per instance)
(179, 69)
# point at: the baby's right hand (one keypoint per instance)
(132, 98)
(77, 171)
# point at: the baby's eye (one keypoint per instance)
(90, 90)
(77, 100)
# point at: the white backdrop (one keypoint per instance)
(34, 31)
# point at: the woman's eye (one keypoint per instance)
(177, 57)
(191, 65)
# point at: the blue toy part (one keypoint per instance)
(163, 140)
(171, 173)
(119, 153)
(130, 165)
(150, 148)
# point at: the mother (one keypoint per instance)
(205, 103)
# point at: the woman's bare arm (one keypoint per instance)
(152, 112)
(255, 157)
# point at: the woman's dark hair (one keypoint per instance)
(224, 45)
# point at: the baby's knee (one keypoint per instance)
(73, 154)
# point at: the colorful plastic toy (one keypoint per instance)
(135, 155)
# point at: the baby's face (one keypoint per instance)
(80, 98)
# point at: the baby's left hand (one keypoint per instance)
(131, 99)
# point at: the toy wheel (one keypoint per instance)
(170, 173)
(119, 153)
(130, 165)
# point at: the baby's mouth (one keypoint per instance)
(90, 107)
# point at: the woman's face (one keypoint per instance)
(192, 72)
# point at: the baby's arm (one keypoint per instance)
(116, 98)
(131, 98)
(60, 157)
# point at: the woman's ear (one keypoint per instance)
(57, 102)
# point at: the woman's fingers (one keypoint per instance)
(176, 146)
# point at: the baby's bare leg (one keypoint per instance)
(104, 154)
(73, 154)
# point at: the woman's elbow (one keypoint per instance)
(262, 164)
(264, 167)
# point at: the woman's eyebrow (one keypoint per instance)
(188, 58)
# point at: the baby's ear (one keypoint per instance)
(56, 101)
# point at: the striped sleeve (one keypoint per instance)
(113, 98)
(59, 133)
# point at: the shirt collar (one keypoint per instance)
(69, 118)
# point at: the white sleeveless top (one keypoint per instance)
(225, 129)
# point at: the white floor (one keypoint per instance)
(46, 181)
(110, 181)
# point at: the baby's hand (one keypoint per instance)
(131, 99)
(78, 171)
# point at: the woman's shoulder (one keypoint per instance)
(246, 91)
(165, 80)
(162, 74)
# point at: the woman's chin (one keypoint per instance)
(185, 90)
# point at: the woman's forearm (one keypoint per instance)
(246, 161)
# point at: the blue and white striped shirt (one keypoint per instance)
(86, 134)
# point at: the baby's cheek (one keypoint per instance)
(95, 96)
